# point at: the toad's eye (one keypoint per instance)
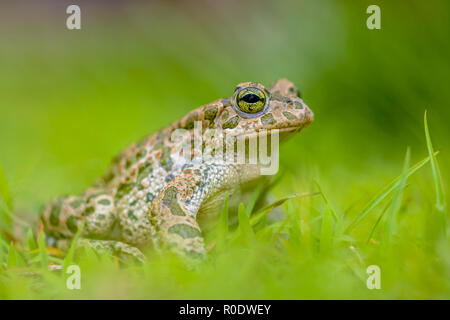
(251, 100)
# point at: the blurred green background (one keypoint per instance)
(70, 100)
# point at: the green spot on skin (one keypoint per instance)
(289, 115)
(211, 113)
(88, 211)
(141, 154)
(131, 215)
(225, 115)
(232, 123)
(184, 230)
(149, 197)
(123, 189)
(72, 224)
(166, 160)
(76, 203)
(117, 159)
(55, 212)
(278, 97)
(130, 161)
(144, 171)
(190, 120)
(170, 200)
(267, 119)
(298, 105)
(203, 146)
(108, 177)
(92, 196)
(104, 202)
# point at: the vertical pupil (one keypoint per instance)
(251, 98)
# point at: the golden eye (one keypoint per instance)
(251, 100)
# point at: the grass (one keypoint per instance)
(440, 206)
(298, 256)
(349, 196)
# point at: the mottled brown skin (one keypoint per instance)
(150, 195)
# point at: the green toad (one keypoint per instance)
(155, 195)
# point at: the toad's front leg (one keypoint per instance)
(173, 212)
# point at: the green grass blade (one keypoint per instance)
(4, 247)
(283, 224)
(3, 244)
(336, 218)
(5, 192)
(6, 202)
(326, 232)
(12, 256)
(391, 216)
(69, 256)
(31, 242)
(440, 205)
(377, 222)
(222, 232)
(385, 192)
(295, 232)
(43, 251)
(50, 258)
(56, 260)
(254, 197)
(261, 214)
(257, 216)
(245, 231)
